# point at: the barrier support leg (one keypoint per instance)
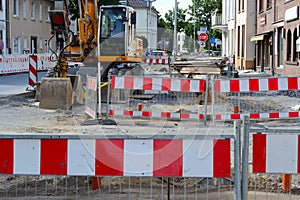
(286, 183)
(96, 183)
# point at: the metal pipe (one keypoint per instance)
(245, 157)
(237, 160)
(175, 31)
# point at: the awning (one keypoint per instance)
(257, 37)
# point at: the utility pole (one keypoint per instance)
(175, 31)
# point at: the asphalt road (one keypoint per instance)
(15, 84)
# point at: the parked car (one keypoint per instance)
(217, 53)
(208, 53)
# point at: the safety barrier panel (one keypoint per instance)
(276, 153)
(20, 63)
(34, 165)
(270, 161)
(157, 60)
(32, 70)
(266, 98)
(170, 93)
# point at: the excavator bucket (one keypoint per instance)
(55, 93)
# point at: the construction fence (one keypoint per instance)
(205, 99)
(252, 162)
(10, 64)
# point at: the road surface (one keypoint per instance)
(15, 84)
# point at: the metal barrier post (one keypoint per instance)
(213, 99)
(206, 99)
(245, 157)
(108, 96)
(237, 160)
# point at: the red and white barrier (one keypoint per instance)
(156, 60)
(160, 115)
(258, 84)
(158, 84)
(258, 116)
(276, 154)
(115, 157)
(20, 63)
(32, 70)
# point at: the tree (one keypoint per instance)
(74, 8)
(202, 14)
(145, 41)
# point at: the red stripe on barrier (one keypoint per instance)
(201, 116)
(185, 85)
(293, 83)
(146, 114)
(254, 116)
(128, 113)
(234, 85)
(293, 114)
(54, 156)
(235, 116)
(218, 117)
(218, 86)
(298, 170)
(6, 156)
(259, 153)
(202, 86)
(184, 116)
(167, 158)
(128, 82)
(109, 157)
(274, 115)
(166, 115)
(221, 158)
(273, 83)
(113, 82)
(111, 112)
(253, 85)
(147, 83)
(166, 84)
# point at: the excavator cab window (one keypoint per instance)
(112, 29)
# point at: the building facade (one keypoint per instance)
(29, 26)
(146, 21)
(277, 34)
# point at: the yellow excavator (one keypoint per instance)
(107, 33)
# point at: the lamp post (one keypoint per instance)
(175, 31)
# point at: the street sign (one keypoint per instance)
(202, 37)
(212, 40)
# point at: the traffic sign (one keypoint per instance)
(212, 40)
(202, 37)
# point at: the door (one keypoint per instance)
(33, 44)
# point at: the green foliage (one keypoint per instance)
(145, 41)
(74, 8)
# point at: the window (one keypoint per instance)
(25, 8)
(1, 5)
(41, 12)
(47, 14)
(25, 43)
(239, 42)
(16, 8)
(261, 5)
(41, 43)
(269, 4)
(33, 10)
(16, 45)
